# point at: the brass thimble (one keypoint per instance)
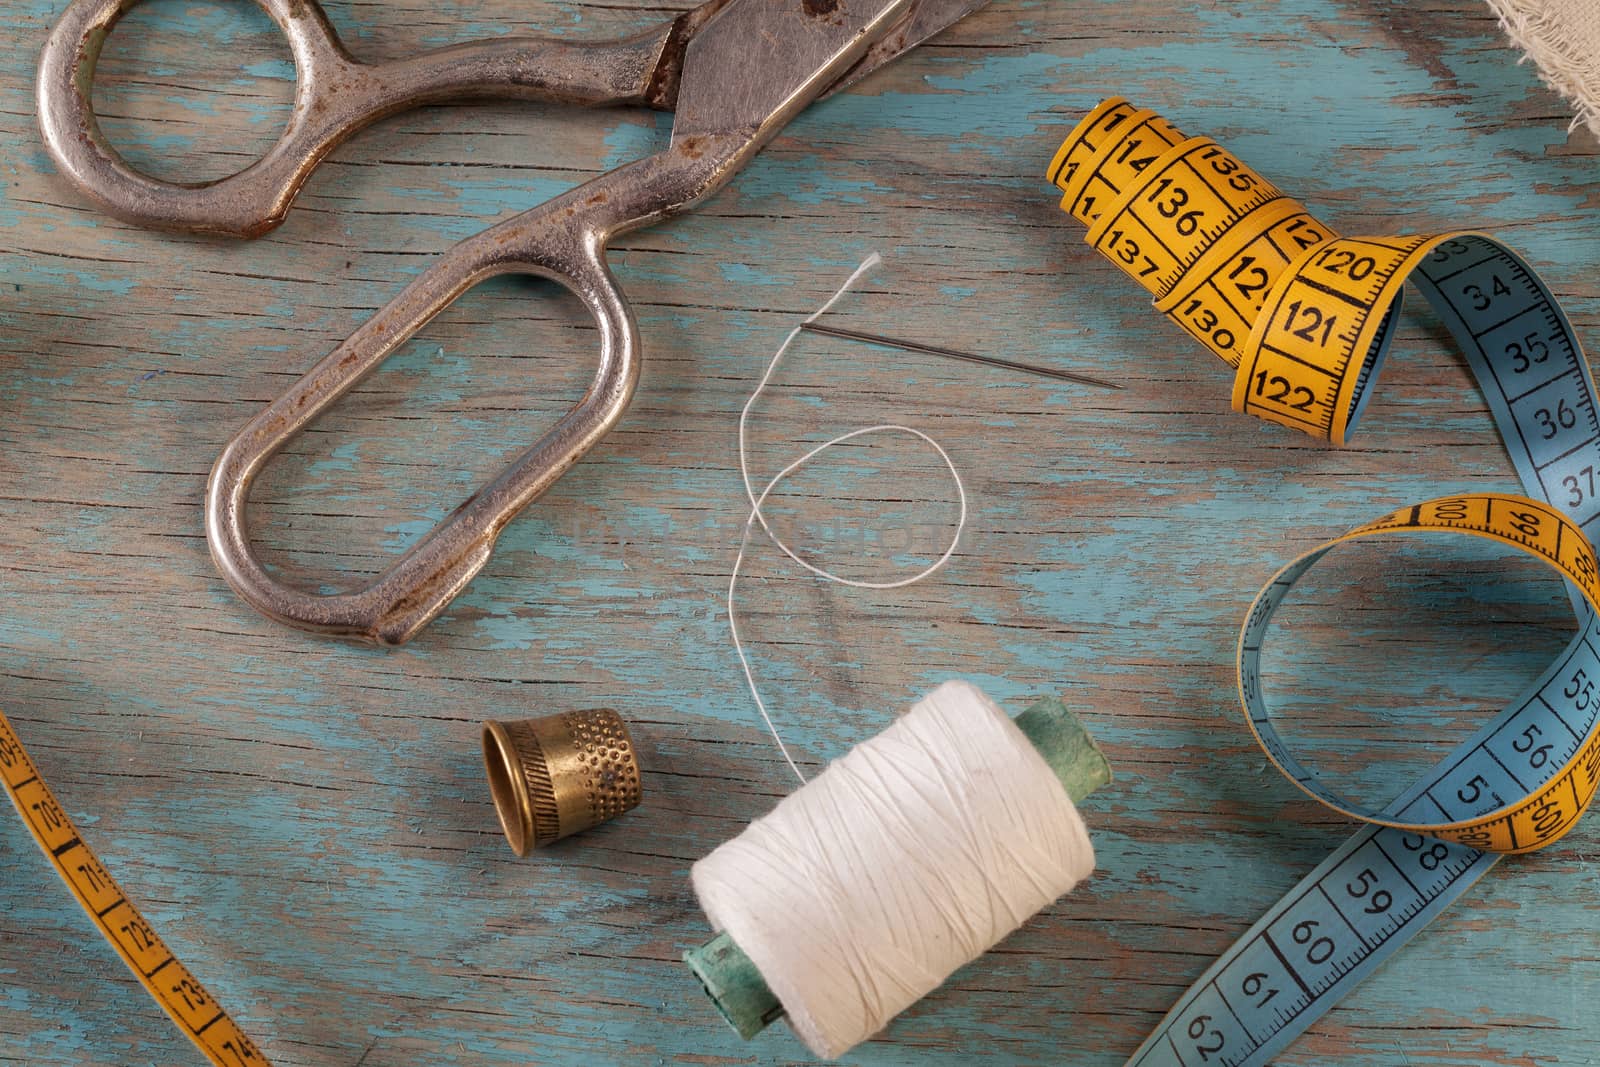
(558, 775)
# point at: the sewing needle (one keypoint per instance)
(951, 353)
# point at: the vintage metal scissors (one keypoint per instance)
(734, 72)
(336, 95)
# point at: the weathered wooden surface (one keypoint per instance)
(307, 821)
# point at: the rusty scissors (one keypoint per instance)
(735, 72)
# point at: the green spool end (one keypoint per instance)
(732, 981)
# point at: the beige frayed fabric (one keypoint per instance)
(1563, 38)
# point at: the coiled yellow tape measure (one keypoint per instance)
(1303, 315)
(1305, 318)
(178, 992)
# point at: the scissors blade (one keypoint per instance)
(927, 18)
(757, 63)
(922, 20)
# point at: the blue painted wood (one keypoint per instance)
(307, 822)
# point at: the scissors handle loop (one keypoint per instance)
(563, 240)
(335, 96)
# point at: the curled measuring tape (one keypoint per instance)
(1524, 786)
(176, 990)
(1305, 317)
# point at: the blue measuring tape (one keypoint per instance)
(1536, 759)
(1306, 318)
(1516, 785)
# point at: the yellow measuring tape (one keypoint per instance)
(1302, 314)
(1305, 317)
(178, 992)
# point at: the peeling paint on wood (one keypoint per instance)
(307, 821)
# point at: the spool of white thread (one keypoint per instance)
(905, 859)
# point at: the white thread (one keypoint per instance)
(757, 515)
(913, 854)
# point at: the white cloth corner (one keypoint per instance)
(1563, 38)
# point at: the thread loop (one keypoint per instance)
(758, 516)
